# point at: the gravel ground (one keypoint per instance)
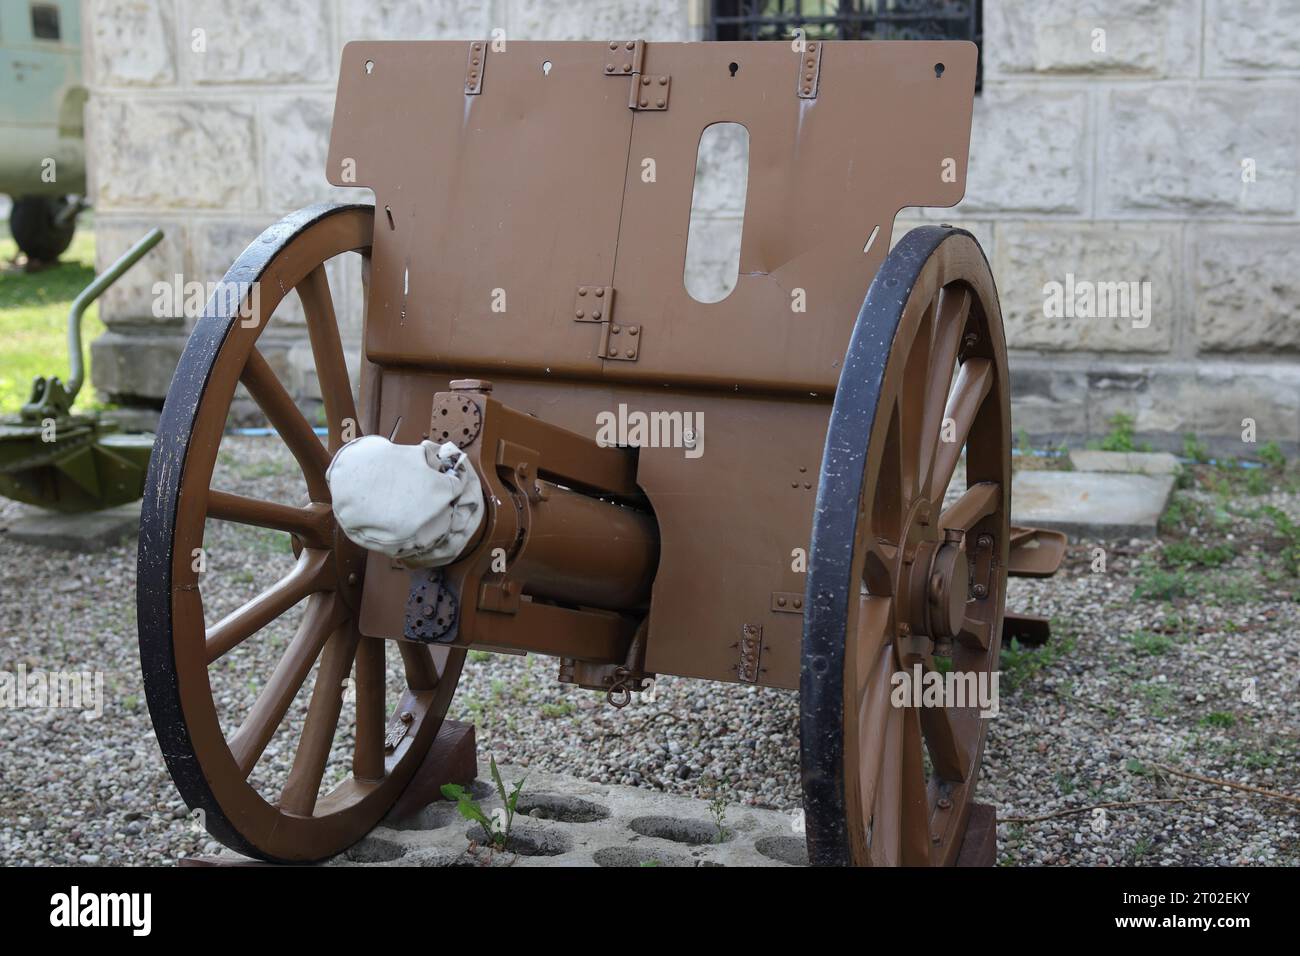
(1148, 667)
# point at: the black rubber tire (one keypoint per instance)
(34, 223)
(830, 586)
(157, 592)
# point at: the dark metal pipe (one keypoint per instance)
(88, 295)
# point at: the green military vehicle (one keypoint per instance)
(49, 455)
(42, 146)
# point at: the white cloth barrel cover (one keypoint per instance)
(420, 504)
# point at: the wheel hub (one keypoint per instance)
(948, 586)
(934, 579)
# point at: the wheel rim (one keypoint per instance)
(887, 581)
(212, 769)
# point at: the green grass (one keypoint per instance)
(1258, 482)
(34, 317)
(1231, 589)
(1158, 698)
(1181, 513)
(1195, 449)
(1227, 477)
(1152, 645)
(263, 541)
(1217, 718)
(1020, 664)
(1140, 849)
(1156, 584)
(1120, 436)
(1187, 553)
(1271, 455)
(1258, 760)
(1289, 531)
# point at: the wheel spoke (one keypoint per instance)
(874, 714)
(914, 805)
(368, 757)
(311, 524)
(313, 572)
(974, 632)
(325, 612)
(880, 567)
(327, 352)
(978, 501)
(873, 635)
(888, 504)
(973, 383)
(886, 797)
(289, 422)
(303, 784)
(441, 655)
(371, 375)
(947, 741)
(418, 664)
(912, 399)
(950, 321)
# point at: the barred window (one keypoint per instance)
(45, 21)
(850, 20)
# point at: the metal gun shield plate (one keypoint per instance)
(531, 188)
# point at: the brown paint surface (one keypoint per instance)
(532, 186)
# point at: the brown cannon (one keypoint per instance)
(793, 531)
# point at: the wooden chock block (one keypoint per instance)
(453, 758)
(980, 845)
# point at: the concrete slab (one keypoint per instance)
(84, 533)
(133, 418)
(1090, 504)
(1125, 462)
(563, 821)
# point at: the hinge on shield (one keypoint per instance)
(620, 343)
(593, 303)
(625, 57)
(474, 67)
(751, 653)
(649, 91)
(810, 71)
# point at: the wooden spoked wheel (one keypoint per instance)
(898, 580)
(178, 647)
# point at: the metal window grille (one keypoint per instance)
(850, 20)
(45, 21)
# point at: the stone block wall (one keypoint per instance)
(1164, 150)
(1123, 161)
(211, 119)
